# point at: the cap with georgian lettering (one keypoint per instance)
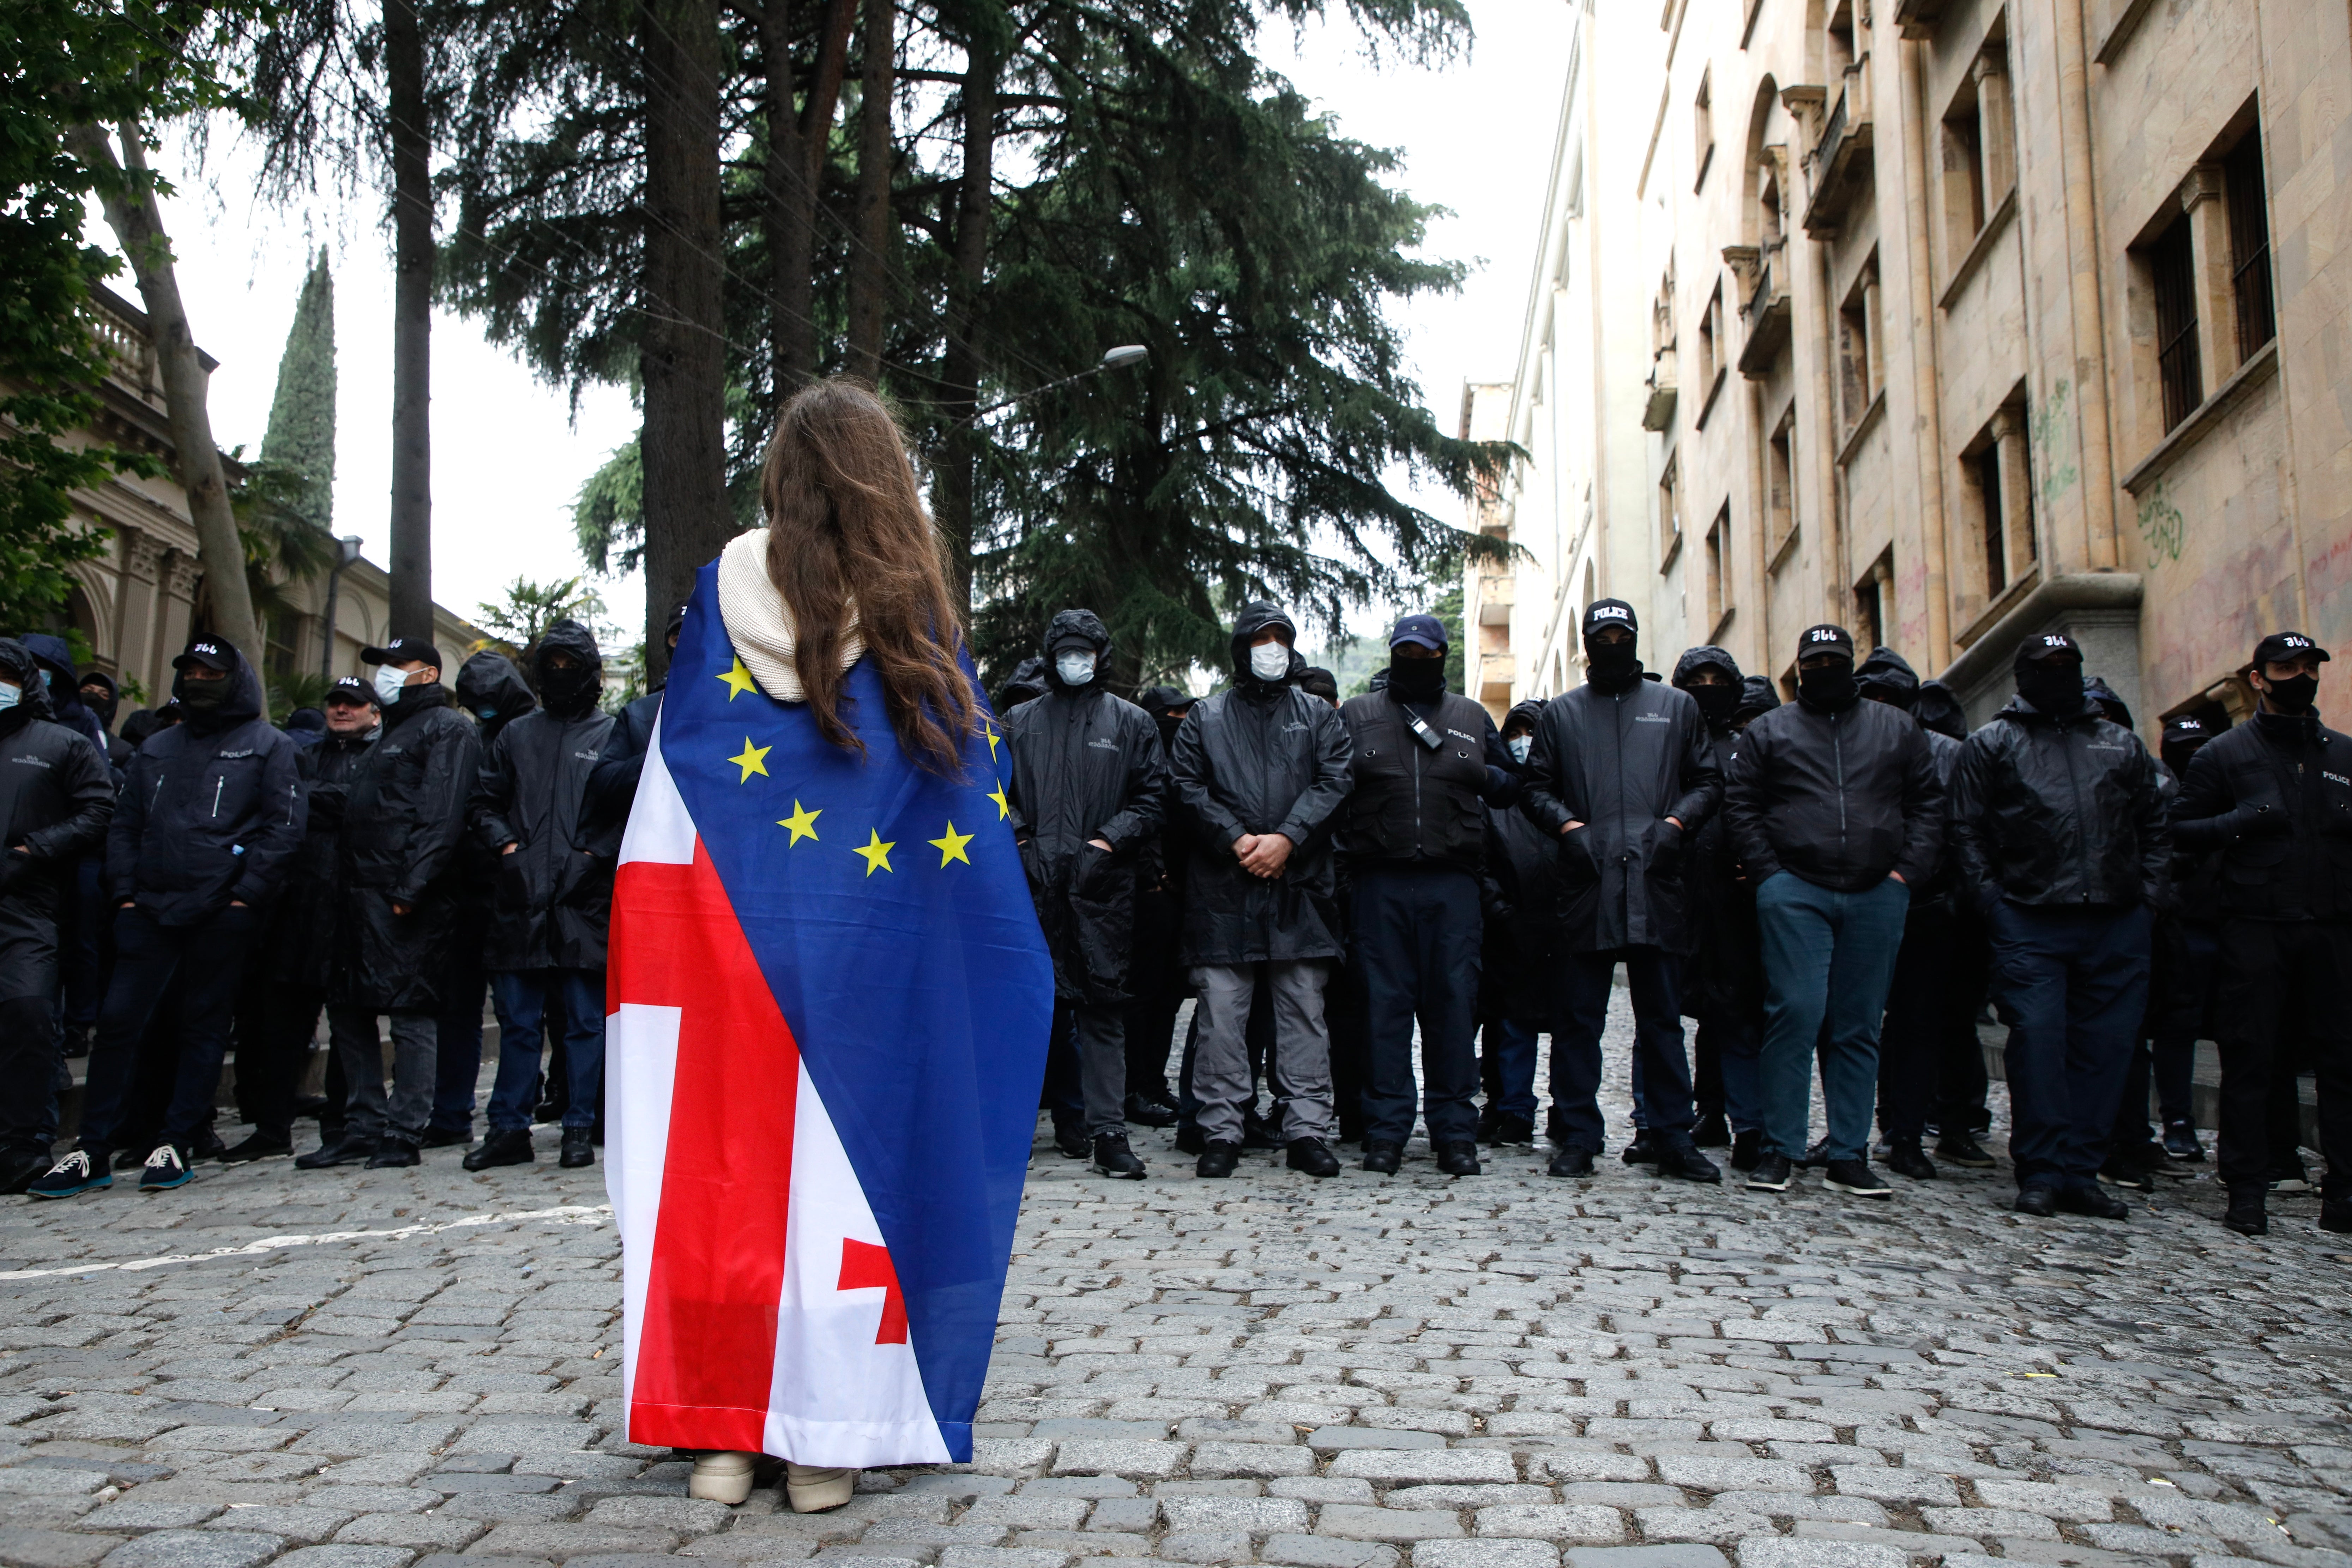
(209, 651)
(404, 650)
(1824, 638)
(351, 688)
(2280, 647)
(2046, 644)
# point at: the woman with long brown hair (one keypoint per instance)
(828, 1000)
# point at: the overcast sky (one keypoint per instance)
(509, 452)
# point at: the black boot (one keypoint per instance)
(2092, 1199)
(447, 1137)
(1641, 1151)
(1312, 1156)
(1070, 1138)
(1571, 1161)
(1217, 1159)
(579, 1148)
(1113, 1158)
(1681, 1158)
(1457, 1159)
(1381, 1157)
(2336, 1215)
(1746, 1148)
(1905, 1159)
(393, 1153)
(260, 1146)
(1513, 1132)
(1148, 1111)
(502, 1148)
(2245, 1214)
(20, 1168)
(340, 1150)
(1257, 1133)
(1958, 1148)
(1190, 1138)
(1712, 1132)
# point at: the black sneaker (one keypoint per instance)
(1817, 1156)
(2039, 1202)
(578, 1149)
(2336, 1215)
(1641, 1151)
(1903, 1157)
(165, 1168)
(345, 1150)
(1149, 1110)
(1217, 1159)
(392, 1155)
(1070, 1138)
(2180, 1141)
(2245, 1214)
(1746, 1148)
(1382, 1157)
(1457, 1159)
(497, 1148)
(2092, 1199)
(1573, 1160)
(2122, 1172)
(1312, 1156)
(1512, 1133)
(1773, 1174)
(1958, 1148)
(1683, 1161)
(1856, 1177)
(70, 1177)
(1712, 1132)
(1113, 1158)
(260, 1146)
(207, 1144)
(20, 1168)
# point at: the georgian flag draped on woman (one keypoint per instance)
(828, 1004)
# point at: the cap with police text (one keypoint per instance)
(210, 652)
(1608, 613)
(1824, 638)
(2280, 647)
(351, 688)
(1427, 631)
(2047, 645)
(404, 650)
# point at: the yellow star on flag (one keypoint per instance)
(992, 738)
(739, 680)
(951, 846)
(876, 852)
(803, 822)
(752, 760)
(1003, 806)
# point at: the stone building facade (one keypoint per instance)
(1951, 320)
(138, 604)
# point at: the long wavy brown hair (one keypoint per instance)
(847, 526)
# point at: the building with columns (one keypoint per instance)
(1951, 320)
(138, 603)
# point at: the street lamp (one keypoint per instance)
(347, 550)
(1112, 359)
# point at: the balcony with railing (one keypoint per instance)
(1765, 311)
(1841, 159)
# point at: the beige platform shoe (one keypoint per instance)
(810, 1489)
(721, 1476)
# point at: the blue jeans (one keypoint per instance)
(1829, 958)
(1654, 978)
(1511, 1045)
(2072, 984)
(521, 995)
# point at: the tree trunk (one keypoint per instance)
(412, 322)
(138, 226)
(870, 246)
(683, 353)
(798, 138)
(962, 367)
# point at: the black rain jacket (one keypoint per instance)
(553, 897)
(2271, 799)
(1260, 757)
(1841, 798)
(1621, 762)
(404, 824)
(57, 795)
(1084, 764)
(491, 688)
(298, 948)
(1726, 974)
(1928, 706)
(1517, 976)
(210, 813)
(2060, 814)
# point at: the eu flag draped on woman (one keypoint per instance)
(828, 997)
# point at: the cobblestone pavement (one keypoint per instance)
(376, 1369)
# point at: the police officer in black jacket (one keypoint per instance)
(202, 833)
(1622, 771)
(1155, 980)
(298, 949)
(402, 885)
(1723, 984)
(553, 899)
(2059, 829)
(1427, 762)
(1086, 797)
(57, 795)
(2274, 797)
(1522, 953)
(2186, 955)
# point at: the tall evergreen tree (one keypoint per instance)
(301, 433)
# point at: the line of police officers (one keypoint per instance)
(231, 880)
(1831, 886)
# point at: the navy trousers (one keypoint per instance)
(2072, 984)
(1418, 940)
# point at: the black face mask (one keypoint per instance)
(203, 696)
(100, 704)
(2294, 695)
(1830, 686)
(1613, 666)
(1417, 679)
(570, 691)
(1716, 703)
(1168, 728)
(2178, 758)
(2054, 686)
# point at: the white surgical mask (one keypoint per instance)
(8, 696)
(389, 680)
(1074, 669)
(1520, 746)
(1270, 662)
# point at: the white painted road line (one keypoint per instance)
(578, 1214)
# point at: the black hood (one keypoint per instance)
(569, 693)
(1756, 695)
(65, 706)
(1530, 713)
(1937, 709)
(304, 721)
(1026, 683)
(2114, 707)
(491, 681)
(1156, 701)
(18, 663)
(113, 695)
(1254, 617)
(1695, 659)
(1076, 626)
(243, 702)
(1893, 673)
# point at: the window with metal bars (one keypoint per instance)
(2250, 245)
(2173, 273)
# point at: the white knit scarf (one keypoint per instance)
(759, 624)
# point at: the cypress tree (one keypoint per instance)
(301, 435)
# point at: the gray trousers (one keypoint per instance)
(415, 1057)
(1301, 1065)
(1099, 1037)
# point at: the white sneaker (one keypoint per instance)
(723, 1475)
(812, 1489)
